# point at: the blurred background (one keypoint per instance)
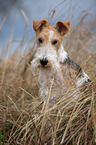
(16, 17)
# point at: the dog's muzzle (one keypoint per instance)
(44, 61)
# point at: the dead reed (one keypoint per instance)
(25, 119)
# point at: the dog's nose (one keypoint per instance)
(43, 61)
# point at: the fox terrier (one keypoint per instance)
(51, 61)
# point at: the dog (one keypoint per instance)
(57, 72)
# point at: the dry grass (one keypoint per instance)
(25, 119)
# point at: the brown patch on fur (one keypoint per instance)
(43, 29)
(44, 36)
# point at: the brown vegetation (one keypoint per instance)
(25, 119)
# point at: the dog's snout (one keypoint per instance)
(44, 61)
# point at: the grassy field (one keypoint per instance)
(26, 120)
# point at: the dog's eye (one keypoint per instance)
(54, 42)
(40, 40)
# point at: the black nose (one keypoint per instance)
(43, 61)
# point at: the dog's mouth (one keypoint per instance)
(48, 65)
(44, 63)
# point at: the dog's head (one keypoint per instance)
(49, 50)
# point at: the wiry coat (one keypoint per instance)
(52, 63)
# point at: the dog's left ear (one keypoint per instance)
(38, 25)
(62, 27)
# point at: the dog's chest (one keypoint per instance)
(51, 80)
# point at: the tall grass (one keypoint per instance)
(25, 119)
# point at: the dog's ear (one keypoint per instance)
(62, 27)
(38, 25)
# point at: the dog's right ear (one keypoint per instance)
(38, 25)
(62, 27)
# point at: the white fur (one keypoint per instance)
(52, 69)
(45, 75)
(51, 33)
(50, 53)
(83, 79)
(62, 54)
